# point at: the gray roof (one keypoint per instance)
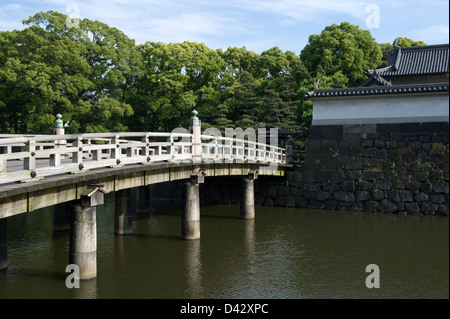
(381, 90)
(416, 61)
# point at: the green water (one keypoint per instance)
(285, 253)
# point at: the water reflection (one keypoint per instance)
(87, 290)
(193, 266)
(282, 253)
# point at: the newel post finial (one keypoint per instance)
(58, 121)
(195, 121)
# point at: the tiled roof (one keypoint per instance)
(414, 61)
(376, 79)
(380, 90)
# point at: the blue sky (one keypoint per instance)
(256, 24)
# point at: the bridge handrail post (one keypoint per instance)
(29, 162)
(146, 147)
(77, 156)
(196, 139)
(171, 148)
(55, 159)
(115, 150)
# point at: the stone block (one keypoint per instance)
(352, 139)
(329, 145)
(289, 201)
(438, 199)
(301, 202)
(323, 196)
(268, 201)
(421, 197)
(363, 185)
(295, 191)
(379, 143)
(344, 196)
(279, 201)
(283, 190)
(405, 195)
(331, 204)
(443, 210)
(440, 187)
(382, 153)
(289, 175)
(353, 162)
(348, 186)
(367, 143)
(298, 176)
(370, 152)
(362, 196)
(428, 208)
(413, 185)
(387, 206)
(393, 194)
(371, 206)
(377, 194)
(412, 208)
(272, 192)
(309, 175)
(344, 148)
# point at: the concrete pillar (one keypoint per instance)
(247, 207)
(143, 200)
(191, 214)
(3, 244)
(83, 241)
(62, 216)
(123, 221)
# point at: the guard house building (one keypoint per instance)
(413, 88)
(403, 106)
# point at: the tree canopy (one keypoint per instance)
(99, 80)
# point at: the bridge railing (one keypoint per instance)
(230, 150)
(32, 157)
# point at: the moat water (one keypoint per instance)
(285, 253)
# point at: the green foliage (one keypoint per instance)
(100, 81)
(343, 48)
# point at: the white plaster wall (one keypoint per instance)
(381, 109)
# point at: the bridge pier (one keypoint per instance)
(83, 241)
(247, 205)
(123, 220)
(62, 216)
(190, 222)
(3, 244)
(83, 231)
(143, 200)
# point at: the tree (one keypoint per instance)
(345, 48)
(80, 72)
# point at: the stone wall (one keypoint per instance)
(391, 168)
(378, 167)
